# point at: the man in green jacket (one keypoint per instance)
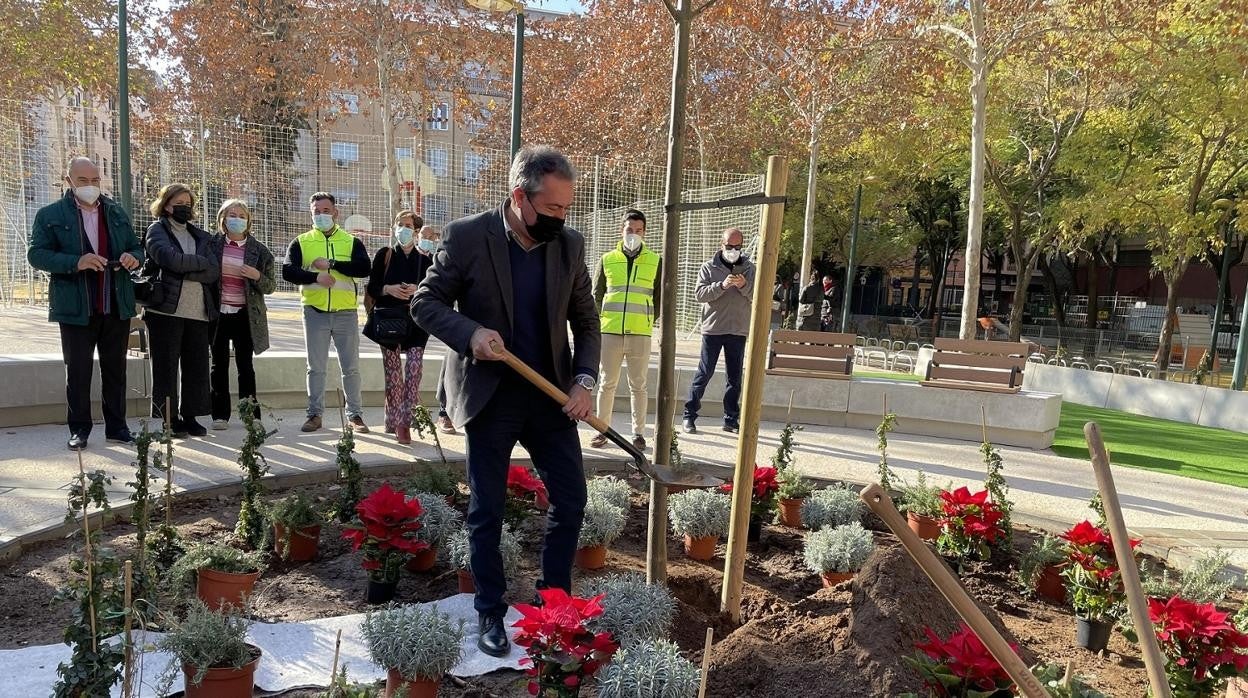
(86, 243)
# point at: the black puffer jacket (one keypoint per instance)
(170, 263)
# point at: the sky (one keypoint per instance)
(558, 5)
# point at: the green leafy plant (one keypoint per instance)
(699, 513)
(603, 522)
(343, 687)
(998, 489)
(920, 498)
(214, 556)
(251, 528)
(1204, 581)
(632, 610)
(1241, 618)
(441, 481)
(292, 513)
(97, 595)
(1091, 573)
(1045, 552)
(350, 479)
(649, 669)
(840, 549)
(165, 546)
(887, 424)
(145, 575)
(831, 507)
(793, 485)
(437, 518)
(206, 640)
(675, 459)
(422, 422)
(417, 641)
(1061, 682)
(783, 457)
(615, 490)
(456, 550)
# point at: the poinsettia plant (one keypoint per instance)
(763, 500)
(1203, 648)
(961, 666)
(525, 492)
(562, 651)
(969, 523)
(1091, 572)
(385, 528)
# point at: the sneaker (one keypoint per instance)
(358, 425)
(732, 428)
(313, 424)
(599, 441)
(220, 424)
(77, 442)
(122, 437)
(639, 442)
(445, 425)
(690, 428)
(194, 428)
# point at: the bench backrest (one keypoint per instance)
(817, 351)
(980, 361)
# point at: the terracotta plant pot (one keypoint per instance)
(754, 533)
(1237, 688)
(1049, 585)
(466, 585)
(593, 557)
(927, 527)
(216, 589)
(416, 688)
(423, 561)
(1092, 635)
(380, 592)
(791, 512)
(831, 579)
(303, 542)
(701, 548)
(226, 682)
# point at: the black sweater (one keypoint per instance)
(407, 268)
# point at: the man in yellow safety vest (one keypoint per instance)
(627, 287)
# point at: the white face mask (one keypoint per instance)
(88, 194)
(324, 222)
(632, 242)
(731, 256)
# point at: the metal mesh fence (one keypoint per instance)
(275, 169)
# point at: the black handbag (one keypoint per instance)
(148, 289)
(388, 326)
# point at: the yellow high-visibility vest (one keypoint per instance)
(628, 304)
(336, 246)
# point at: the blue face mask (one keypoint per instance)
(403, 234)
(428, 246)
(236, 226)
(323, 222)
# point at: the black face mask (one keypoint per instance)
(545, 228)
(182, 213)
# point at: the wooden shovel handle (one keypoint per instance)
(1154, 663)
(879, 502)
(546, 386)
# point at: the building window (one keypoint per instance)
(342, 152)
(474, 165)
(435, 209)
(345, 102)
(440, 117)
(346, 197)
(437, 161)
(403, 153)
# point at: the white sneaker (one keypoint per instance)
(220, 424)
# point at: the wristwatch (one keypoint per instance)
(585, 381)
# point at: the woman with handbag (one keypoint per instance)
(810, 305)
(246, 278)
(180, 313)
(397, 270)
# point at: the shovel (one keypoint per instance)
(660, 474)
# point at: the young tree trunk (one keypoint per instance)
(808, 226)
(1027, 265)
(1094, 301)
(1168, 328)
(975, 216)
(1050, 285)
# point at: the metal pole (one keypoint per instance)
(849, 263)
(656, 536)
(122, 187)
(1219, 304)
(1241, 350)
(517, 81)
(203, 168)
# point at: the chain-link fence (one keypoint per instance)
(275, 169)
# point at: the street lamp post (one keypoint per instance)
(517, 61)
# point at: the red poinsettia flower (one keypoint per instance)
(522, 482)
(969, 523)
(560, 648)
(1201, 645)
(765, 481)
(385, 522)
(967, 658)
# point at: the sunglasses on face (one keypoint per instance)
(733, 247)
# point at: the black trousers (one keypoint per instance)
(108, 335)
(231, 328)
(179, 351)
(518, 413)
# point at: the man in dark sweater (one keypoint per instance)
(517, 278)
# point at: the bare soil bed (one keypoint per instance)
(795, 640)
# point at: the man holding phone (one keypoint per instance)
(725, 285)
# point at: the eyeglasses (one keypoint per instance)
(733, 247)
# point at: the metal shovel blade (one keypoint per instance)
(660, 474)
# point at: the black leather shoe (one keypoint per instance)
(77, 442)
(493, 640)
(122, 437)
(731, 428)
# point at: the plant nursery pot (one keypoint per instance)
(416, 688)
(1049, 585)
(466, 585)
(701, 548)
(1092, 635)
(380, 592)
(926, 527)
(226, 682)
(754, 533)
(303, 542)
(216, 589)
(1237, 688)
(592, 558)
(831, 579)
(791, 512)
(423, 561)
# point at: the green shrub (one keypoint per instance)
(840, 549)
(603, 523)
(699, 513)
(834, 506)
(1049, 550)
(417, 641)
(632, 610)
(613, 489)
(455, 552)
(437, 518)
(222, 558)
(434, 479)
(205, 640)
(920, 498)
(649, 669)
(1204, 581)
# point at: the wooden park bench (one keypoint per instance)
(811, 354)
(995, 367)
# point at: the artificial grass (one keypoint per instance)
(1214, 455)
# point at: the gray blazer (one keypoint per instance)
(472, 272)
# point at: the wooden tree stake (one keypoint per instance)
(168, 468)
(706, 662)
(128, 647)
(86, 552)
(789, 415)
(983, 421)
(333, 673)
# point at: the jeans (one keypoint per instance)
(733, 346)
(633, 349)
(109, 335)
(231, 328)
(179, 351)
(519, 413)
(343, 327)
